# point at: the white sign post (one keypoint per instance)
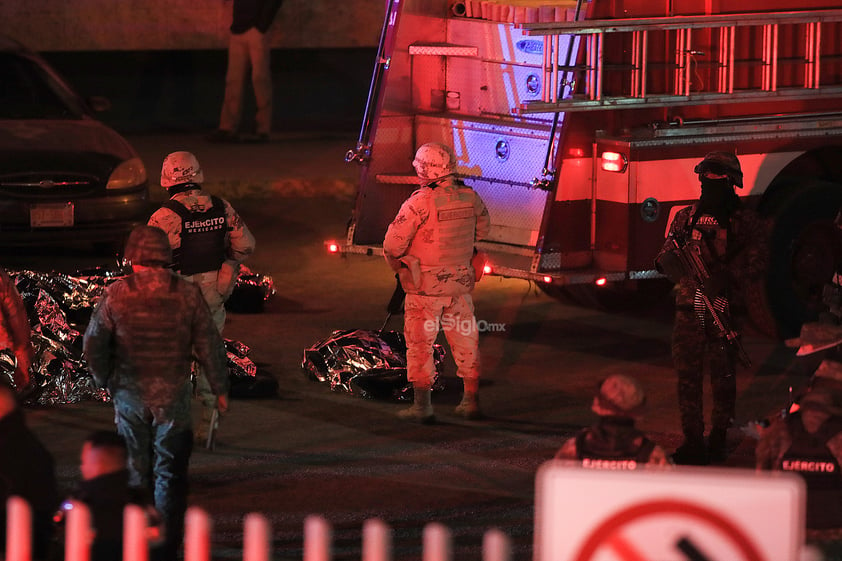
(672, 514)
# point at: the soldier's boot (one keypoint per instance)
(421, 409)
(469, 406)
(692, 451)
(717, 444)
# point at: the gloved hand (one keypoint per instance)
(226, 278)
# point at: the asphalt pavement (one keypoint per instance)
(309, 450)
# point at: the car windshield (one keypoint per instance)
(28, 91)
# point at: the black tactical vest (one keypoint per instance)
(810, 457)
(629, 454)
(202, 238)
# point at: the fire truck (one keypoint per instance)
(579, 122)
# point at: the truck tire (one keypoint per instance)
(804, 253)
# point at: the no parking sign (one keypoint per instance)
(672, 514)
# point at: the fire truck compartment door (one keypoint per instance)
(498, 162)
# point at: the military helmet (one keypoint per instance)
(434, 160)
(721, 163)
(620, 395)
(180, 167)
(148, 245)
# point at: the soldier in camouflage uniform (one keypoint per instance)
(140, 344)
(430, 244)
(729, 238)
(15, 333)
(614, 442)
(808, 441)
(209, 241)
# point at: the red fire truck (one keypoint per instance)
(579, 123)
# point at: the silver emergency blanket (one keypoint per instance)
(59, 307)
(369, 364)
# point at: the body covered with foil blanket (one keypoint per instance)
(371, 364)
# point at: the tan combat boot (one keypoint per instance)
(469, 406)
(421, 409)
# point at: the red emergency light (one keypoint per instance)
(486, 269)
(332, 247)
(614, 161)
(547, 279)
(601, 281)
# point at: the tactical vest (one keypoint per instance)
(810, 457)
(451, 225)
(627, 456)
(202, 238)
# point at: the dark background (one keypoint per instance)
(315, 90)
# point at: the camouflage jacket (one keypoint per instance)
(142, 337)
(743, 256)
(438, 227)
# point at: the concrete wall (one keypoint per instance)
(142, 25)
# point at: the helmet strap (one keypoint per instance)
(182, 187)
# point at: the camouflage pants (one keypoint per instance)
(696, 351)
(207, 283)
(423, 317)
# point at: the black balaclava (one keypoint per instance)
(718, 198)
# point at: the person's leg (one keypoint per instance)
(173, 446)
(261, 80)
(688, 355)
(208, 286)
(460, 328)
(723, 380)
(421, 327)
(235, 76)
(134, 424)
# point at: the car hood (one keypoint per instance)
(76, 136)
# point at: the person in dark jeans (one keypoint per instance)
(140, 344)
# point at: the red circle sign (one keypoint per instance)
(608, 535)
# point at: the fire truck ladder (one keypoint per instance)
(679, 33)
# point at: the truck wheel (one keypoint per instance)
(805, 252)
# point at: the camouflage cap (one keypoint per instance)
(815, 337)
(721, 163)
(619, 395)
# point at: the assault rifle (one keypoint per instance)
(694, 266)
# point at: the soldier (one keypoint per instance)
(808, 442)
(728, 238)
(140, 344)
(614, 442)
(209, 241)
(430, 244)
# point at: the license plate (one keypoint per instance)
(54, 215)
